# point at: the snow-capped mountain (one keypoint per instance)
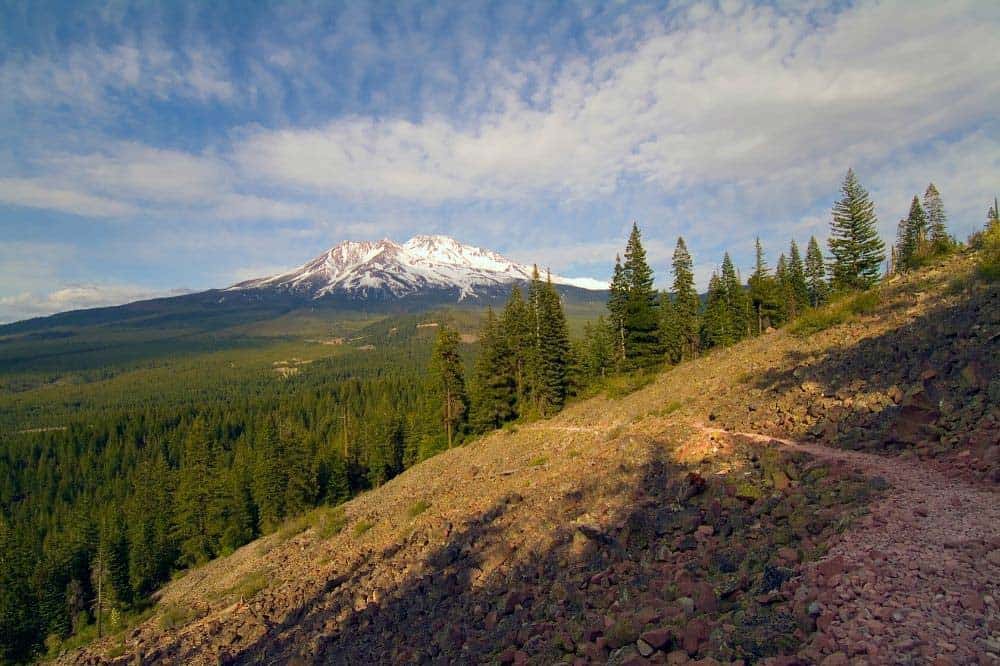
(420, 266)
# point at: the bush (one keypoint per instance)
(840, 311)
(249, 585)
(989, 253)
(176, 615)
(362, 526)
(418, 508)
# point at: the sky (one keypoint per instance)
(154, 148)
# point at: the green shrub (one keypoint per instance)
(840, 311)
(989, 253)
(362, 526)
(249, 585)
(331, 521)
(537, 461)
(418, 508)
(176, 615)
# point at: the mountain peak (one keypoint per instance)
(422, 265)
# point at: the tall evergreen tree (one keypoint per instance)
(815, 271)
(797, 280)
(199, 511)
(784, 306)
(737, 300)
(269, 476)
(446, 368)
(300, 487)
(914, 247)
(494, 386)
(763, 292)
(554, 353)
(598, 353)
(937, 221)
(618, 309)
(857, 250)
(19, 623)
(682, 320)
(518, 338)
(641, 316)
(716, 322)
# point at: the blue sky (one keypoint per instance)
(146, 148)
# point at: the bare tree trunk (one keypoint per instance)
(447, 413)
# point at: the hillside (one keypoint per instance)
(831, 496)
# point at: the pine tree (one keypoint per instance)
(937, 221)
(518, 338)
(681, 324)
(598, 353)
(815, 271)
(716, 323)
(554, 352)
(198, 513)
(857, 250)
(617, 309)
(446, 368)
(784, 306)
(763, 292)
(495, 389)
(19, 619)
(797, 280)
(737, 301)
(641, 316)
(914, 248)
(300, 477)
(338, 488)
(270, 477)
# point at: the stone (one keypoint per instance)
(658, 638)
(695, 633)
(835, 659)
(644, 648)
(678, 658)
(833, 566)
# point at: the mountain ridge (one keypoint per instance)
(422, 264)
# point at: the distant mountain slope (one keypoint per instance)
(385, 269)
(373, 276)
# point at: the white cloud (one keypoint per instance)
(90, 76)
(26, 305)
(44, 193)
(750, 96)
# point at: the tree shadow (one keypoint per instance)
(930, 382)
(676, 551)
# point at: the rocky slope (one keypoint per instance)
(829, 499)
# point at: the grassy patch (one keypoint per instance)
(362, 526)
(537, 461)
(988, 266)
(249, 585)
(331, 521)
(417, 508)
(176, 615)
(619, 386)
(840, 311)
(670, 408)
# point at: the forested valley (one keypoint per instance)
(98, 512)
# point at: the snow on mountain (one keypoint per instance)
(420, 265)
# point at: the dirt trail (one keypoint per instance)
(916, 581)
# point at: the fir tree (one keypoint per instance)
(682, 327)
(857, 250)
(598, 352)
(784, 308)
(815, 271)
(300, 488)
(495, 389)
(641, 316)
(338, 487)
(716, 323)
(914, 248)
(617, 309)
(198, 512)
(763, 292)
(19, 624)
(269, 477)
(554, 352)
(937, 221)
(446, 368)
(518, 338)
(737, 301)
(797, 280)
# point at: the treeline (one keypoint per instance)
(121, 500)
(524, 368)
(646, 329)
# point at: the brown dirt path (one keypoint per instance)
(915, 582)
